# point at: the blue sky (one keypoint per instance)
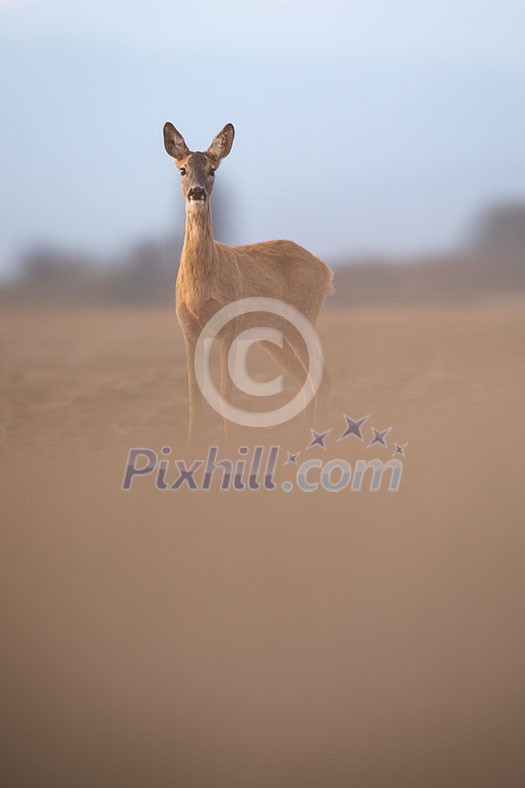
(362, 127)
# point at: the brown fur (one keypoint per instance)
(212, 274)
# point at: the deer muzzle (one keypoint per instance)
(197, 194)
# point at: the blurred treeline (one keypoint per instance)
(143, 276)
(489, 265)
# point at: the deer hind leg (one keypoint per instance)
(288, 361)
(284, 356)
(226, 382)
(322, 395)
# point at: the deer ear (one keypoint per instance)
(174, 142)
(222, 143)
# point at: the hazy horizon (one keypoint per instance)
(361, 129)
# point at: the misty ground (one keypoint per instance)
(264, 639)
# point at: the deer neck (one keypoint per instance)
(198, 252)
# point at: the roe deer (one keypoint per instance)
(212, 274)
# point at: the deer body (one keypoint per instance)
(212, 274)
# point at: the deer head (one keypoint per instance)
(197, 169)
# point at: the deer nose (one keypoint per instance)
(197, 193)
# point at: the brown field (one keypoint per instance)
(269, 639)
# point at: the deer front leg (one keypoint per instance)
(190, 329)
(194, 392)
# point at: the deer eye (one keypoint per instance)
(182, 170)
(213, 171)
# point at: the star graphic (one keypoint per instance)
(399, 449)
(292, 457)
(318, 439)
(379, 437)
(353, 427)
